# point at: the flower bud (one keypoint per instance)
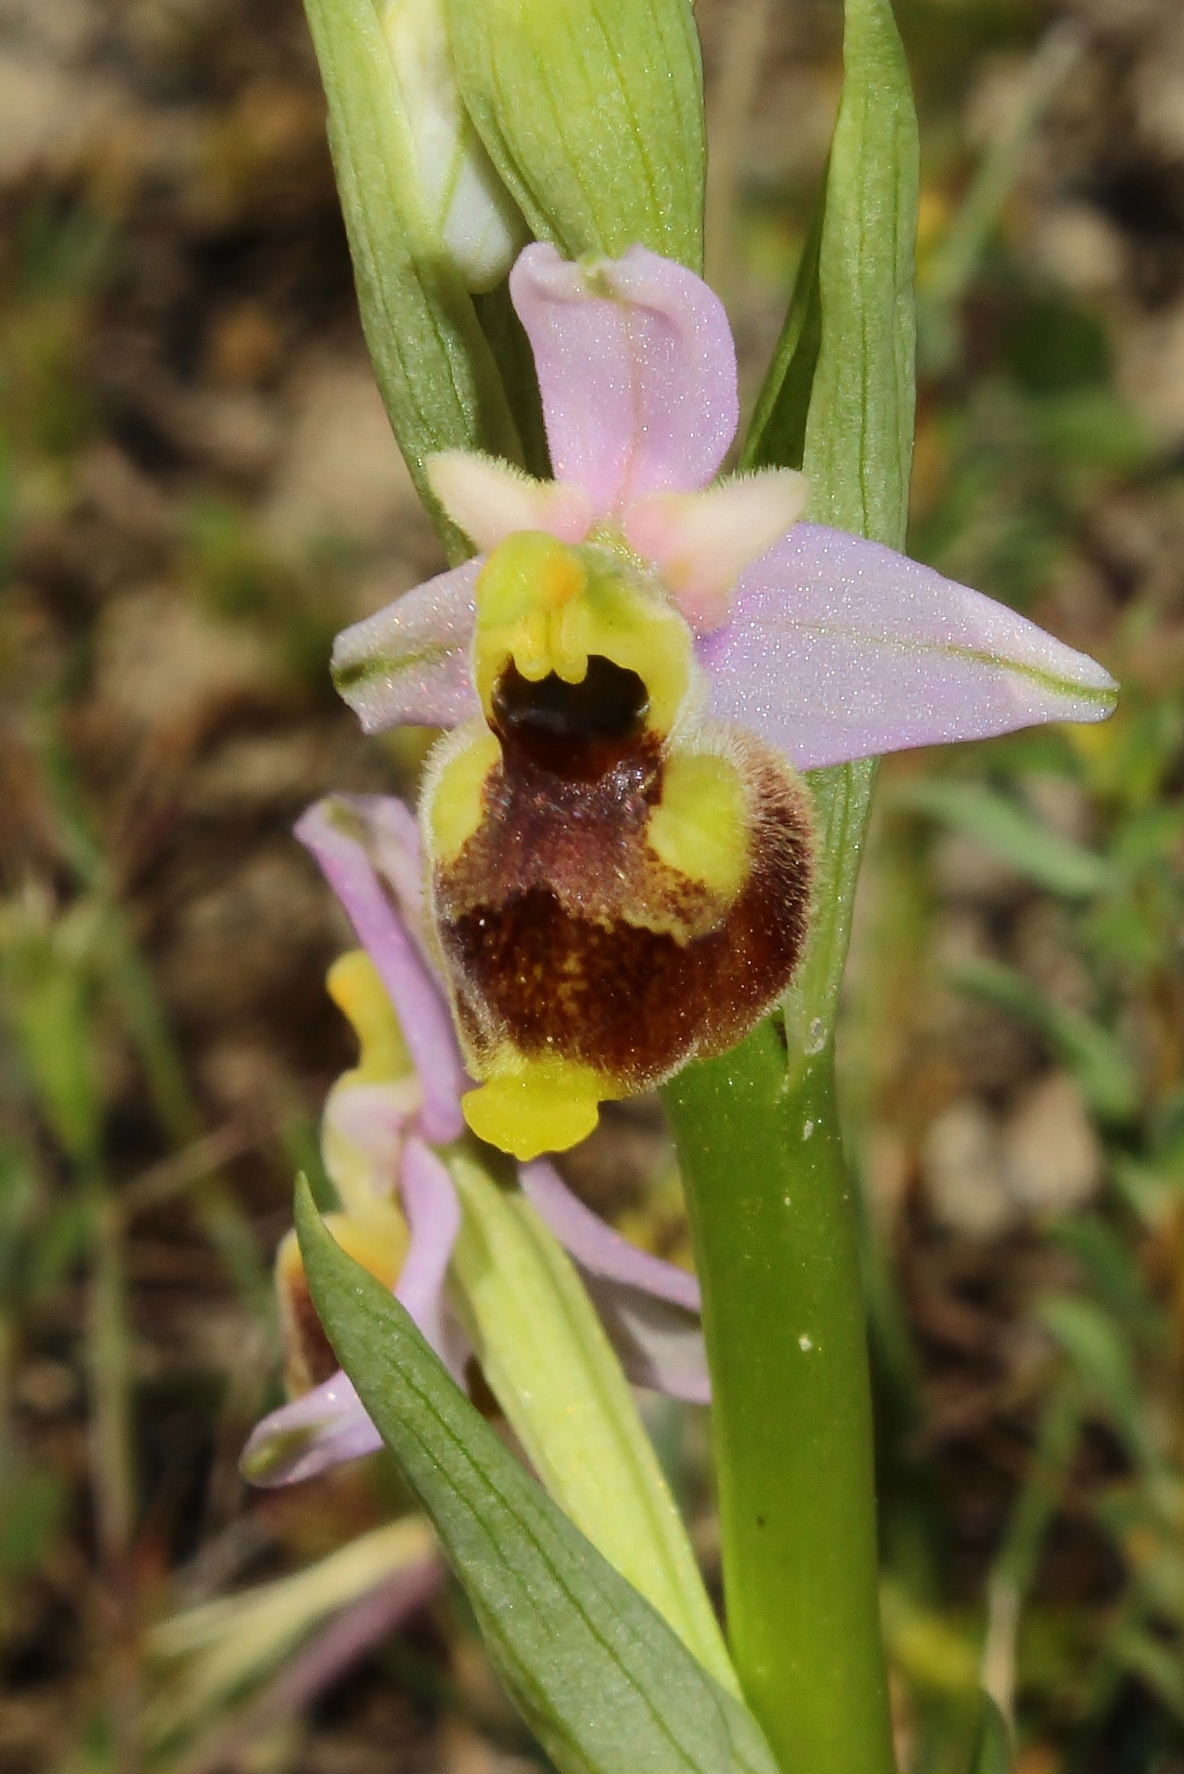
(593, 116)
(427, 223)
(465, 203)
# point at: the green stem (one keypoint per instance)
(773, 1214)
(775, 1235)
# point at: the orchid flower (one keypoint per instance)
(638, 663)
(386, 1132)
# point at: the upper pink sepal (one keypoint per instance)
(838, 648)
(636, 369)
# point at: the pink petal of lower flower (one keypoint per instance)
(838, 648)
(338, 834)
(659, 1344)
(650, 1309)
(409, 664)
(636, 368)
(323, 1428)
(393, 844)
(433, 1214)
(596, 1246)
(363, 1131)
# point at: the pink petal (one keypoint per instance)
(393, 844)
(489, 500)
(596, 1246)
(323, 1428)
(340, 832)
(839, 648)
(329, 1425)
(636, 368)
(703, 542)
(650, 1308)
(409, 664)
(363, 1131)
(433, 1214)
(659, 1344)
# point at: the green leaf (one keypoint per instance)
(1101, 1357)
(553, 1371)
(592, 115)
(1010, 832)
(600, 1678)
(433, 363)
(859, 325)
(777, 436)
(848, 347)
(992, 1749)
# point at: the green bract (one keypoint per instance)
(593, 116)
(604, 1683)
(434, 366)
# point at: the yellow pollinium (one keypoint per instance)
(549, 608)
(542, 1105)
(355, 986)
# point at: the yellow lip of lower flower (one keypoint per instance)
(356, 987)
(383, 1089)
(548, 607)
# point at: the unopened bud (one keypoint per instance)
(464, 201)
(593, 116)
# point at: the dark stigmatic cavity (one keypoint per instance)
(575, 730)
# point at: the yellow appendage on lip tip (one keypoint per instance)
(547, 1106)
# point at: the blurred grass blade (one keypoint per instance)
(433, 363)
(852, 323)
(549, 1363)
(953, 264)
(1095, 1056)
(992, 1750)
(222, 1649)
(1010, 832)
(604, 1683)
(1100, 1355)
